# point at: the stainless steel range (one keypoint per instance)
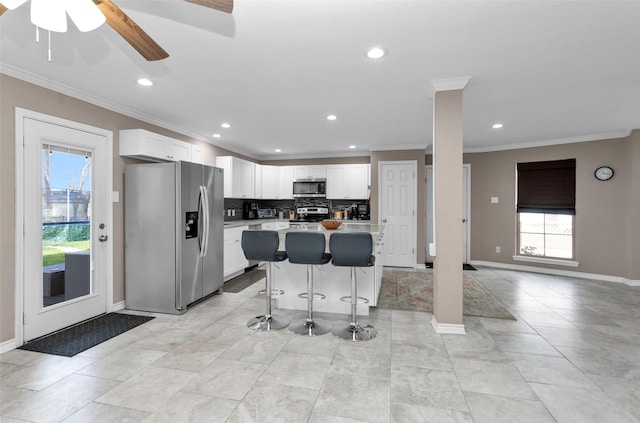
(310, 212)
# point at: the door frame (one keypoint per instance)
(20, 115)
(414, 164)
(429, 219)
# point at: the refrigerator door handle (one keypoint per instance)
(205, 221)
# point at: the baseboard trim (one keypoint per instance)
(7, 346)
(448, 328)
(557, 272)
(118, 306)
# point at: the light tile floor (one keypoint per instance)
(573, 355)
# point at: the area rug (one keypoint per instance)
(413, 290)
(75, 339)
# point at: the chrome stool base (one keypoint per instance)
(265, 324)
(314, 327)
(355, 333)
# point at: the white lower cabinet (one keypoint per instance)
(234, 259)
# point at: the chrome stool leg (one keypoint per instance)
(310, 326)
(355, 332)
(268, 322)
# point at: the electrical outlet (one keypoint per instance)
(497, 249)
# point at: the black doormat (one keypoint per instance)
(245, 280)
(465, 266)
(75, 339)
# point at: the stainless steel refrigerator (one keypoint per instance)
(173, 235)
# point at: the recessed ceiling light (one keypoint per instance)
(217, 136)
(352, 147)
(332, 117)
(277, 150)
(497, 126)
(376, 53)
(145, 82)
(225, 125)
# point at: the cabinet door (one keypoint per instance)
(270, 182)
(177, 151)
(242, 178)
(247, 177)
(310, 172)
(336, 182)
(285, 182)
(257, 181)
(357, 182)
(197, 155)
(229, 252)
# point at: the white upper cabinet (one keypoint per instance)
(197, 155)
(239, 177)
(146, 145)
(270, 182)
(257, 184)
(285, 179)
(310, 172)
(349, 181)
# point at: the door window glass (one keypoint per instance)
(66, 224)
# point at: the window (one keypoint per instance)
(546, 209)
(546, 235)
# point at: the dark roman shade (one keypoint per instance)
(547, 187)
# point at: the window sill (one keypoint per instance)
(544, 260)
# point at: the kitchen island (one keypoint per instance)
(332, 281)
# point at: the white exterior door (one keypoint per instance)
(466, 195)
(65, 250)
(397, 211)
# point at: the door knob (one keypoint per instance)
(103, 238)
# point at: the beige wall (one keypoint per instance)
(15, 93)
(607, 226)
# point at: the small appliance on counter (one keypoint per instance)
(266, 213)
(249, 211)
(363, 212)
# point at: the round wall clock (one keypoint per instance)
(603, 173)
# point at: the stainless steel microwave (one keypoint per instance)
(310, 188)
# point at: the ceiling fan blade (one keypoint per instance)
(221, 5)
(2, 9)
(130, 31)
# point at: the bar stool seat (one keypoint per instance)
(353, 249)
(308, 248)
(263, 246)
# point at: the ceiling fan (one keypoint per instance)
(127, 28)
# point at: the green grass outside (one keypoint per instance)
(52, 255)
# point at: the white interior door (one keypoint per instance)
(66, 220)
(466, 195)
(397, 211)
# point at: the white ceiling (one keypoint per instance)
(551, 71)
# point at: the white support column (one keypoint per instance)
(447, 194)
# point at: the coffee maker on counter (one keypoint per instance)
(249, 211)
(363, 211)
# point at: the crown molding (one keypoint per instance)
(447, 85)
(49, 84)
(550, 142)
(390, 147)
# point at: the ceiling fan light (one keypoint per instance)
(48, 14)
(85, 14)
(12, 4)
